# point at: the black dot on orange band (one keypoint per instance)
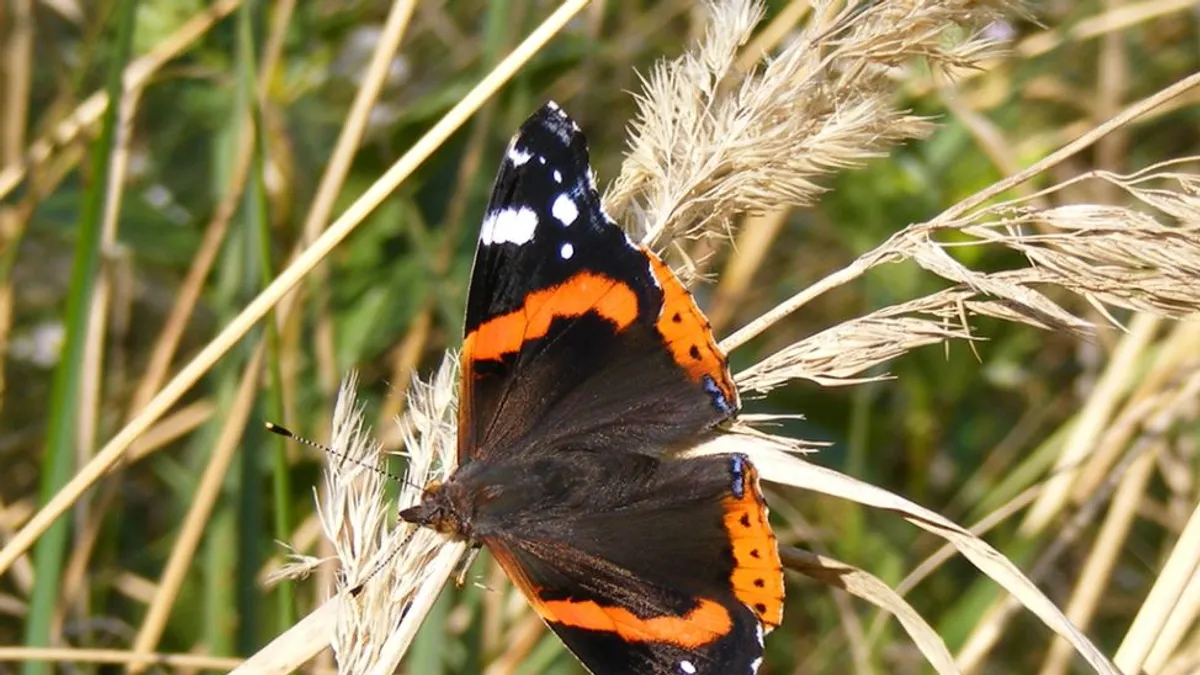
(676, 318)
(759, 583)
(762, 609)
(745, 520)
(754, 553)
(694, 352)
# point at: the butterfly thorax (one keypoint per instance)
(485, 499)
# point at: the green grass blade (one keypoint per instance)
(64, 397)
(257, 224)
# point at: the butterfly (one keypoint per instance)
(585, 363)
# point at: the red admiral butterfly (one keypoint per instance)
(584, 361)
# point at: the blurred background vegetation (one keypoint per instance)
(230, 136)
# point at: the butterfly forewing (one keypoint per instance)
(573, 334)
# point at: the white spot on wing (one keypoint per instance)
(687, 667)
(489, 226)
(564, 209)
(513, 226)
(755, 664)
(518, 156)
(566, 251)
(557, 176)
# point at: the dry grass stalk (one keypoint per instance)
(188, 375)
(1144, 260)
(778, 465)
(1152, 417)
(1174, 582)
(81, 658)
(386, 570)
(869, 587)
(711, 141)
(839, 355)
(137, 75)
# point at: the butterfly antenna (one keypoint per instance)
(288, 433)
(357, 588)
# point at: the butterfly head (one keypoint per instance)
(443, 507)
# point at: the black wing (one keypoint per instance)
(674, 570)
(573, 334)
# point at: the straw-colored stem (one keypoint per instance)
(18, 63)
(1168, 589)
(1091, 422)
(1093, 581)
(287, 279)
(116, 657)
(336, 169)
(207, 492)
(137, 74)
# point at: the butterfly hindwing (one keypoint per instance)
(673, 570)
(573, 334)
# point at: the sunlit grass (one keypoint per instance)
(233, 171)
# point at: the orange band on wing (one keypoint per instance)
(757, 573)
(687, 332)
(583, 293)
(707, 622)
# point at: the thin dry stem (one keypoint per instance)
(1181, 620)
(1111, 256)
(91, 384)
(117, 657)
(338, 166)
(1176, 406)
(1093, 580)
(867, 586)
(137, 74)
(207, 492)
(288, 278)
(1092, 421)
(778, 465)
(1176, 354)
(1160, 603)
(163, 351)
(18, 66)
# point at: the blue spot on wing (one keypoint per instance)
(718, 397)
(737, 466)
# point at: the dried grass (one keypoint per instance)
(1112, 256)
(710, 143)
(864, 585)
(390, 573)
